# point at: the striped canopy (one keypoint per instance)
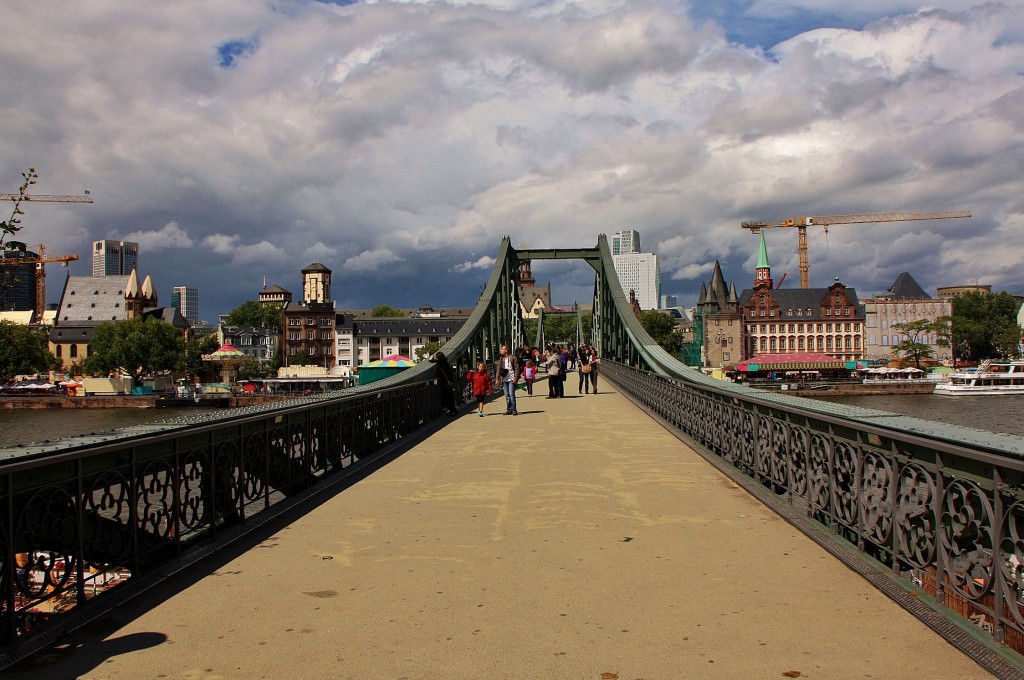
(392, 361)
(793, 362)
(226, 352)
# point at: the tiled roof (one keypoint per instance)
(93, 298)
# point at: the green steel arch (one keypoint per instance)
(617, 333)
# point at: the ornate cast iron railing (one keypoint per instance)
(943, 505)
(80, 516)
(939, 505)
(77, 522)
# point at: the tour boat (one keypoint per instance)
(991, 377)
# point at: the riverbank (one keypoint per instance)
(867, 389)
(58, 401)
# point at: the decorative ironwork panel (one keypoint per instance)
(156, 500)
(845, 484)
(915, 518)
(967, 538)
(820, 474)
(192, 497)
(875, 498)
(107, 521)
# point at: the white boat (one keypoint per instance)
(991, 377)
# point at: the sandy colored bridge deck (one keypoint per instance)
(577, 540)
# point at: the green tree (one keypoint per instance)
(300, 360)
(191, 361)
(559, 328)
(427, 350)
(982, 324)
(250, 368)
(662, 329)
(23, 350)
(257, 314)
(914, 343)
(135, 346)
(276, 362)
(385, 310)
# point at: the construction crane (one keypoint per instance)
(801, 224)
(40, 262)
(47, 198)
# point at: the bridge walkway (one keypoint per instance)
(576, 540)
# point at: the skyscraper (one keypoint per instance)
(18, 282)
(186, 299)
(114, 258)
(640, 273)
(625, 241)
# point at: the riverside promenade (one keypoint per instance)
(576, 540)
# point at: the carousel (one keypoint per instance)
(228, 358)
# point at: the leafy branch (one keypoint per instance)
(13, 225)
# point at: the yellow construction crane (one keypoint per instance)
(39, 261)
(801, 224)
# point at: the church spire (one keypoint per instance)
(763, 273)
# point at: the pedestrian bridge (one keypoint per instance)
(673, 526)
(577, 540)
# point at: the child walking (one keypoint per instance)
(482, 385)
(529, 375)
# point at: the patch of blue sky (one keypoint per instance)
(231, 51)
(746, 23)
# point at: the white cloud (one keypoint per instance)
(242, 254)
(370, 261)
(406, 137)
(485, 262)
(168, 236)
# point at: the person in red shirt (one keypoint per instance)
(482, 385)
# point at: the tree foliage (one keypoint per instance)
(386, 311)
(191, 361)
(983, 326)
(23, 350)
(257, 314)
(914, 343)
(662, 329)
(134, 346)
(427, 350)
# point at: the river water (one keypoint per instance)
(24, 426)
(995, 414)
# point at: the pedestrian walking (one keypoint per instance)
(529, 376)
(508, 373)
(480, 379)
(445, 383)
(595, 365)
(583, 357)
(554, 369)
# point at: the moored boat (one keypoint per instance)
(990, 378)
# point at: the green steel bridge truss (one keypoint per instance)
(936, 511)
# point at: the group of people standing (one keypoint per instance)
(523, 364)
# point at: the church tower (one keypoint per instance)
(763, 272)
(316, 283)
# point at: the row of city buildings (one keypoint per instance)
(110, 258)
(765, 319)
(729, 326)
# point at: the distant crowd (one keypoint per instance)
(524, 364)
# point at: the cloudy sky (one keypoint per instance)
(397, 142)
